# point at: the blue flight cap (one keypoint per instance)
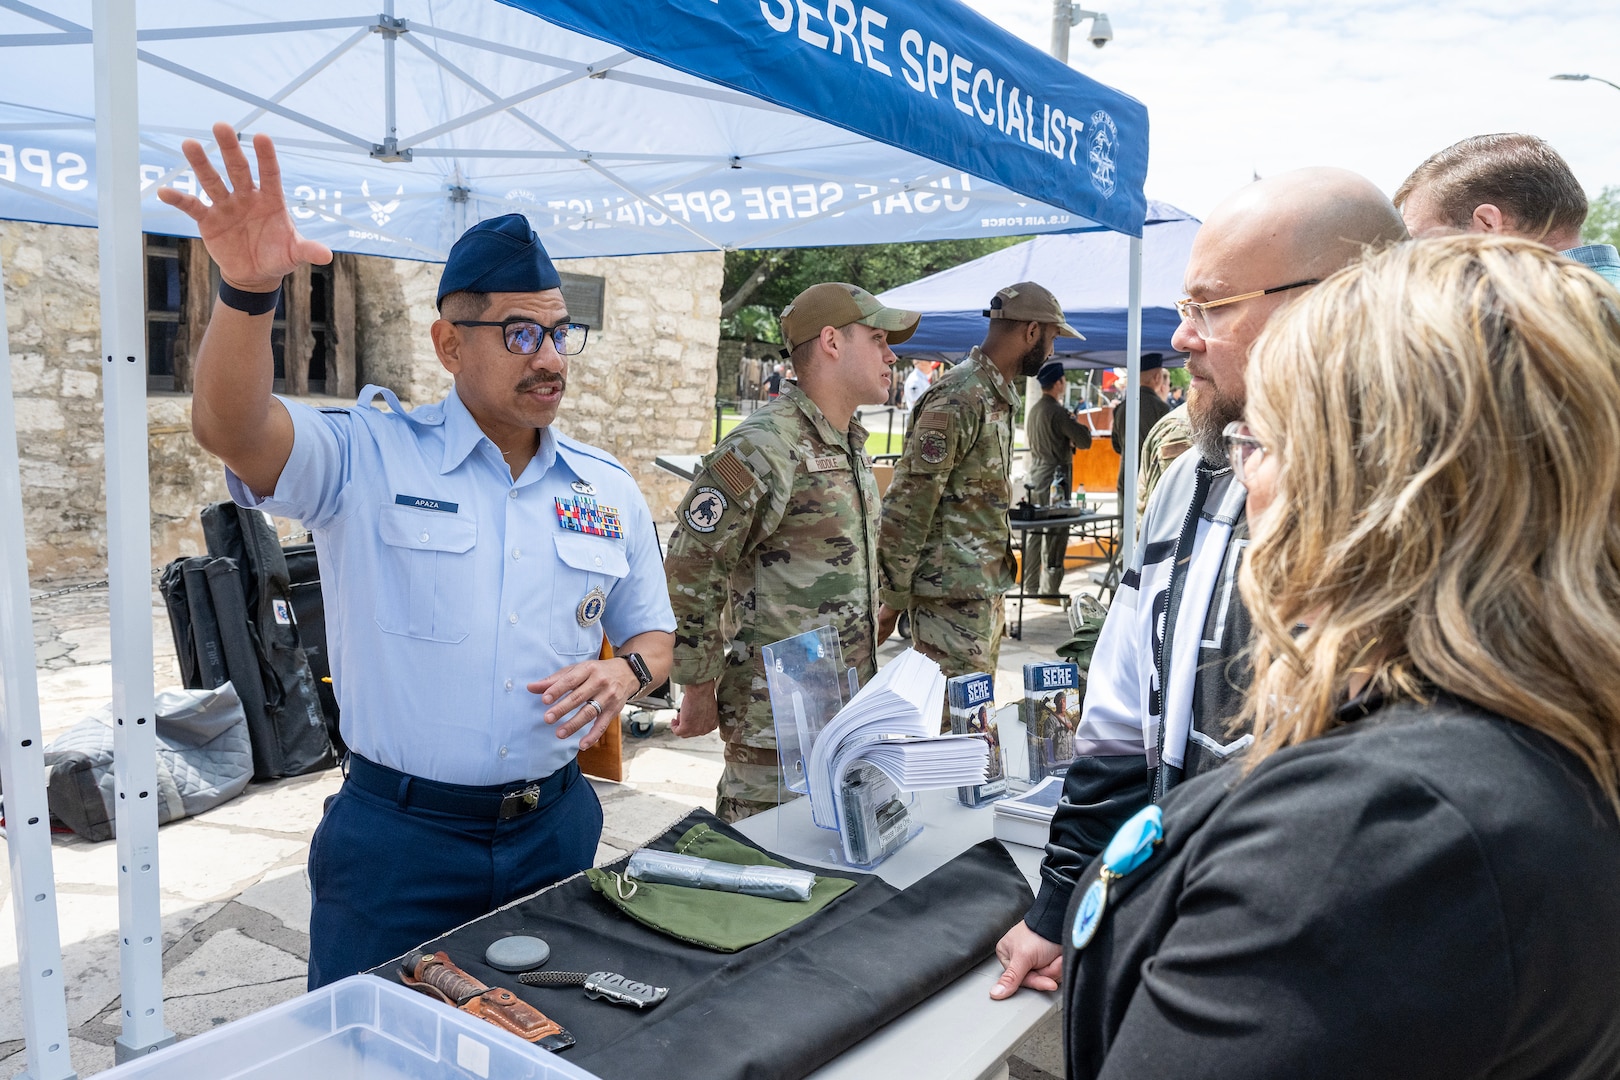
(498, 255)
(1050, 373)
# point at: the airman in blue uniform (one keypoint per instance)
(472, 560)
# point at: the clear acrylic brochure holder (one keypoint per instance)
(808, 684)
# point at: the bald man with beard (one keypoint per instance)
(1157, 711)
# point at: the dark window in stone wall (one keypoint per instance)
(165, 302)
(315, 311)
(317, 316)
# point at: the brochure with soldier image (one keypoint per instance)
(1050, 711)
(972, 700)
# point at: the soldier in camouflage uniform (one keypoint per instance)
(1166, 440)
(944, 548)
(777, 535)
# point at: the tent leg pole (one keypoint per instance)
(22, 771)
(129, 531)
(1133, 409)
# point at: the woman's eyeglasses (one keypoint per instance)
(1241, 448)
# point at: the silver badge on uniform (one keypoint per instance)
(583, 487)
(589, 611)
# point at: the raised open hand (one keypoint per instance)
(247, 229)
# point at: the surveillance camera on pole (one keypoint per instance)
(1102, 31)
(1065, 16)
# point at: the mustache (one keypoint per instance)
(534, 382)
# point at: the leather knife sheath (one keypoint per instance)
(434, 974)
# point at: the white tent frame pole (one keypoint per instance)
(22, 771)
(390, 98)
(129, 531)
(1133, 408)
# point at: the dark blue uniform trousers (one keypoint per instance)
(387, 872)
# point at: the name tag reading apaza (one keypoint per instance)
(421, 502)
(828, 463)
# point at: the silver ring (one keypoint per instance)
(597, 705)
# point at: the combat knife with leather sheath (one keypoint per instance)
(433, 974)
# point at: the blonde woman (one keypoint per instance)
(1417, 872)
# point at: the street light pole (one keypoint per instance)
(1556, 78)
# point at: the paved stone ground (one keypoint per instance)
(235, 898)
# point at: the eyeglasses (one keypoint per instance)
(1197, 312)
(1241, 445)
(524, 336)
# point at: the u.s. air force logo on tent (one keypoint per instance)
(703, 512)
(1100, 152)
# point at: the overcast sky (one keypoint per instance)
(1234, 88)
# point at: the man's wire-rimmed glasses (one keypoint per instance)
(1241, 446)
(525, 336)
(1196, 311)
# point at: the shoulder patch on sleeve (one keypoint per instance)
(704, 510)
(934, 419)
(736, 476)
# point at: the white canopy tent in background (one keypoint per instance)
(618, 127)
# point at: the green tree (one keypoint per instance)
(1603, 218)
(770, 279)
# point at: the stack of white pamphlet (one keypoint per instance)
(893, 723)
(1027, 819)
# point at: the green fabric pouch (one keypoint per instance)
(722, 921)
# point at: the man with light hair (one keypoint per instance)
(1168, 676)
(1511, 184)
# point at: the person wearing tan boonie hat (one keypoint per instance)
(784, 512)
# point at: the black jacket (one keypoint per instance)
(1426, 893)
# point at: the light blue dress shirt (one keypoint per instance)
(449, 586)
(1600, 257)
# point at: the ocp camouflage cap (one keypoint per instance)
(1029, 301)
(837, 304)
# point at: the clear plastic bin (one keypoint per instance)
(362, 1028)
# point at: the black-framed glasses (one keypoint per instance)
(524, 336)
(1241, 447)
(1197, 312)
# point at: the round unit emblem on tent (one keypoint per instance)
(1100, 152)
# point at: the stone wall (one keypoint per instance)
(644, 386)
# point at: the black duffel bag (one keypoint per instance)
(309, 612)
(290, 732)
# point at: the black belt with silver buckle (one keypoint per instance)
(517, 803)
(500, 802)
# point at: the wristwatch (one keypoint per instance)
(638, 668)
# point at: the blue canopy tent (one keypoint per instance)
(618, 127)
(1086, 271)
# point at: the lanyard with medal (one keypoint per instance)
(1129, 848)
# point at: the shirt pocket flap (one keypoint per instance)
(593, 555)
(424, 530)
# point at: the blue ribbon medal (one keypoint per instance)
(1129, 848)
